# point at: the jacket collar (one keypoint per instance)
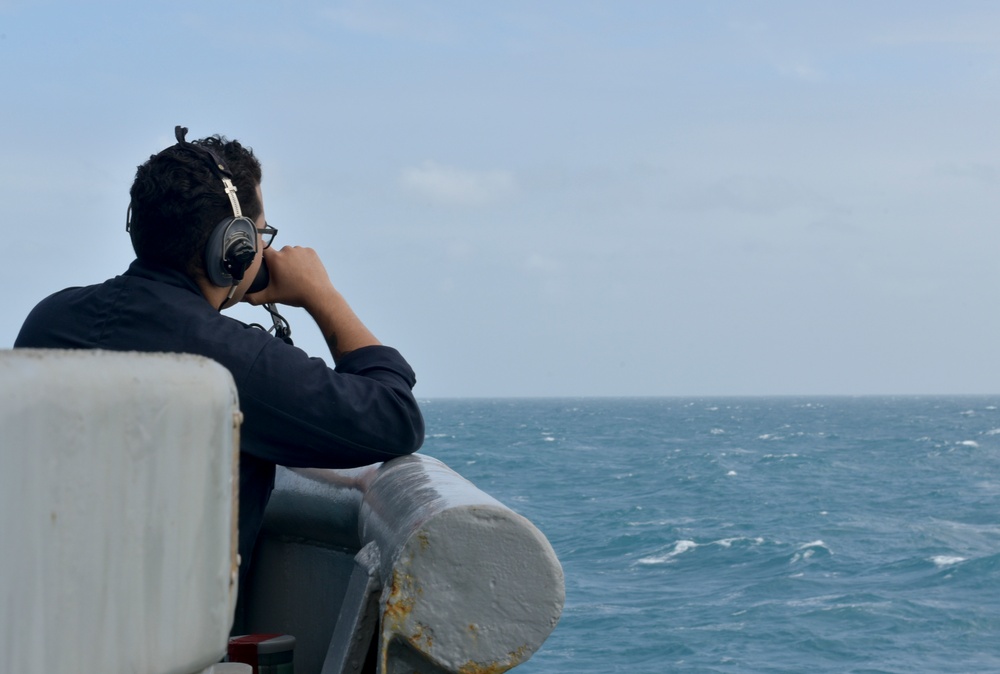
(155, 272)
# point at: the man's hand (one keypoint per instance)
(299, 279)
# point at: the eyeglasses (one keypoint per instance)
(267, 234)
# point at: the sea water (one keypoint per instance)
(752, 534)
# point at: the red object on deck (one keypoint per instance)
(246, 649)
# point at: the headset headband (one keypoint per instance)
(218, 167)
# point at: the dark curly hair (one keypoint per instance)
(177, 200)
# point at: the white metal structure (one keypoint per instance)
(118, 516)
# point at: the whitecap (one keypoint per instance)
(968, 443)
(731, 473)
(946, 560)
(808, 550)
(728, 542)
(717, 431)
(992, 431)
(649, 561)
(549, 438)
(680, 547)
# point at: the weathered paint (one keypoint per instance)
(468, 563)
(514, 658)
(401, 599)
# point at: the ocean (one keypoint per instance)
(752, 534)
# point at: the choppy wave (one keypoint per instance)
(683, 546)
(752, 535)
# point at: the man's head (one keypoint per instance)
(177, 200)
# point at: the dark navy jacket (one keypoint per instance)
(296, 410)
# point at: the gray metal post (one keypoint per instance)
(358, 619)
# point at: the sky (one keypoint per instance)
(563, 198)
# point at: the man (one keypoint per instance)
(200, 238)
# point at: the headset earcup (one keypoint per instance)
(231, 249)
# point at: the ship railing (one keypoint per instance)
(401, 567)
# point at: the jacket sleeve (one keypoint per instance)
(299, 412)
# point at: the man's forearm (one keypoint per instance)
(343, 330)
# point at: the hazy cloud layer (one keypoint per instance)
(448, 186)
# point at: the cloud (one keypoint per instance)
(542, 263)
(461, 250)
(978, 29)
(757, 195)
(801, 71)
(448, 186)
(424, 22)
(548, 276)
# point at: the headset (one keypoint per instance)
(232, 245)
